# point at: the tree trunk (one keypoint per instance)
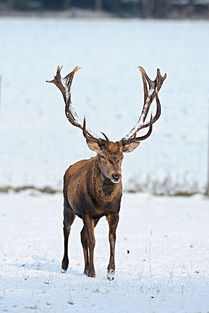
(161, 8)
(148, 8)
(67, 4)
(11, 4)
(98, 5)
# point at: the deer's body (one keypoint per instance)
(93, 188)
(88, 191)
(89, 194)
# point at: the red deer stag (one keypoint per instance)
(93, 187)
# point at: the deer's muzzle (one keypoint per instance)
(116, 178)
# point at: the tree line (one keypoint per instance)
(126, 8)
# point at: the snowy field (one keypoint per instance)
(162, 253)
(162, 257)
(38, 144)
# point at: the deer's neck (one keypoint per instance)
(107, 186)
(103, 186)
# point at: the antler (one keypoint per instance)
(151, 89)
(64, 85)
(150, 93)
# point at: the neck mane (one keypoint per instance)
(103, 185)
(108, 187)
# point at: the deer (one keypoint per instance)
(92, 188)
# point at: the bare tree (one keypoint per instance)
(161, 8)
(11, 4)
(98, 5)
(67, 4)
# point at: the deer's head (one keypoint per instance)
(110, 154)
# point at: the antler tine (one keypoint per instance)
(155, 118)
(107, 139)
(151, 89)
(137, 139)
(154, 87)
(64, 85)
(87, 134)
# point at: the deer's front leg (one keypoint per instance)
(89, 226)
(113, 223)
(84, 241)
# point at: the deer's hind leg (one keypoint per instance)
(69, 217)
(86, 252)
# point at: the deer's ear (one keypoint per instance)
(130, 147)
(94, 146)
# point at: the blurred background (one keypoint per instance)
(109, 40)
(122, 8)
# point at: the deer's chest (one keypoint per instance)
(95, 205)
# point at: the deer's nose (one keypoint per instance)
(116, 177)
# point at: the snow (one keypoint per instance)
(162, 252)
(37, 141)
(162, 257)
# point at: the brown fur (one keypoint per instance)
(87, 190)
(89, 194)
(93, 188)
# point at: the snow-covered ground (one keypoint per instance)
(162, 257)
(162, 253)
(37, 143)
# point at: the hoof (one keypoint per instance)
(89, 271)
(111, 275)
(64, 266)
(86, 269)
(90, 274)
(63, 270)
